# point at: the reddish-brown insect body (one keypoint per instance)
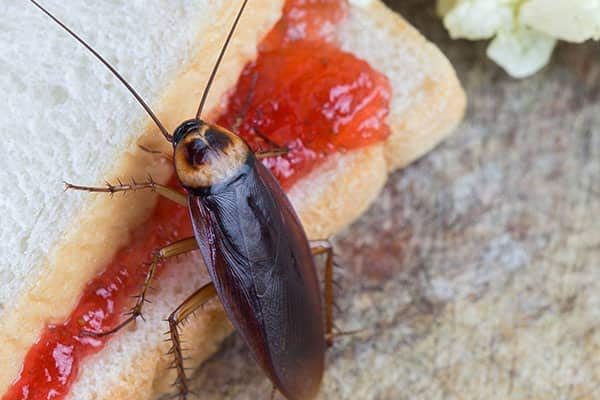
(257, 255)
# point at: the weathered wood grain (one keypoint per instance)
(476, 275)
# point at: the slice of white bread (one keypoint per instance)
(65, 117)
(427, 103)
(66, 237)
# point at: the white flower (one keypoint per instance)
(524, 31)
(478, 19)
(521, 51)
(570, 20)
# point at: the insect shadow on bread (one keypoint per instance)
(252, 242)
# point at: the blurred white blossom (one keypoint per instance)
(523, 32)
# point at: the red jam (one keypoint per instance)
(51, 365)
(302, 93)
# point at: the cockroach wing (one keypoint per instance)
(261, 265)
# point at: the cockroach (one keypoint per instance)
(252, 242)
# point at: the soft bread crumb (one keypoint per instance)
(67, 118)
(360, 3)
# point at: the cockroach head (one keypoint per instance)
(207, 155)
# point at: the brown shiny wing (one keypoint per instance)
(260, 261)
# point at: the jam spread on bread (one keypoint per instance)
(306, 95)
(51, 364)
(302, 93)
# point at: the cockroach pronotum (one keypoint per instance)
(252, 242)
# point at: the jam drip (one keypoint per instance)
(302, 93)
(51, 365)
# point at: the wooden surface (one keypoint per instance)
(476, 275)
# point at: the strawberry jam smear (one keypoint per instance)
(52, 364)
(302, 93)
(306, 95)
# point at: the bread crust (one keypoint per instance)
(428, 100)
(321, 199)
(441, 99)
(339, 191)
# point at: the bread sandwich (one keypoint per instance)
(65, 117)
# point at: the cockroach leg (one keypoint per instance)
(166, 156)
(264, 137)
(181, 313)
(337, 334)
(162, 190)
(320, 247)
(242, 115)
(271, 153)
(174, 249)
(276, 149)
(273, 392)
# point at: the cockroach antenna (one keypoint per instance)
(221, 54)
(111, 69)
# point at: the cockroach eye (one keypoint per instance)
(196, 152)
